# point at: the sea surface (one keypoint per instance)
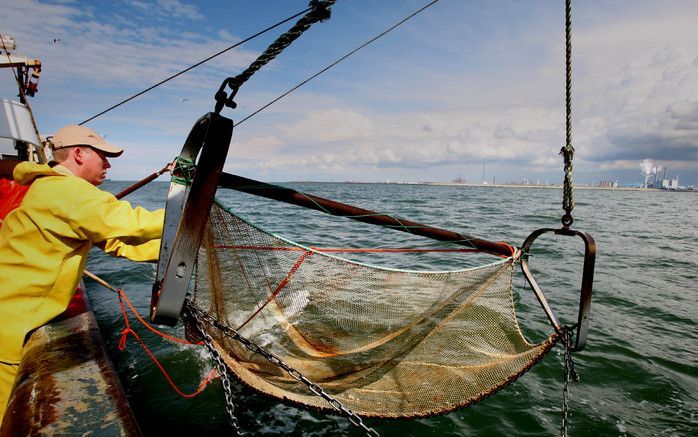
(639, 370)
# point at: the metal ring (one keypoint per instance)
(567, 220)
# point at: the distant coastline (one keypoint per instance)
(553, 187)
(558, 187)
(469, 185)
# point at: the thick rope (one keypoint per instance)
(320, 10)
(370, 41)
(568, 151)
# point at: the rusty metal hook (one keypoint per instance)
(582, 325)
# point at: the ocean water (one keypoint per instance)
(639, 371)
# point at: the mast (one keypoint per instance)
(26, 72)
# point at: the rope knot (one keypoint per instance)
(124, 338)
(567, 151)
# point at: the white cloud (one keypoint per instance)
(330, 126)
(343, 139)
(121, 48)
(637, 84)
(166, 9)
(649, 109)
(175, 8)
(438, 93)
(257, 147)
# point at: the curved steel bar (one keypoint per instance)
(186, 213)
(586, 288)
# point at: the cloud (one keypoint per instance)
(167, 9)
(332, 125)
(132, 44)
(437, 94)
(635, 81)
(668, 138)
(638, 96)
(176, 9)
(684, 114)
(335, 139)
(257, 147)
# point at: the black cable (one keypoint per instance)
(337, 62)
(196, 65)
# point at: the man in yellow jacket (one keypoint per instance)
(45, 241)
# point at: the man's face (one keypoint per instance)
(95, 165)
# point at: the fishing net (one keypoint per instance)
(384, 342)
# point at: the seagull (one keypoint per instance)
(184, 100)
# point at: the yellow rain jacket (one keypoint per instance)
(45, 241)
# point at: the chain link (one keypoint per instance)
(198, 315)
(570, 374)
(222, 370)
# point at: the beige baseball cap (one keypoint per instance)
(74, 135)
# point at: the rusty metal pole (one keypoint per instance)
(144, 181)
(331, 207)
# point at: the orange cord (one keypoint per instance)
(148, 325)
(280, 287)
(124, 335)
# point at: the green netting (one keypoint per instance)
(385, 342)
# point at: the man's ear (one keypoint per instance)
(78, 155)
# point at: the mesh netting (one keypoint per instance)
(384, 342)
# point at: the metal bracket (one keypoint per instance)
(186, 214)
(587, 282)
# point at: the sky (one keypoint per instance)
(462, 90)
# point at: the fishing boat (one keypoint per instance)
(66, 384)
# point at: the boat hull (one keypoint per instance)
(66, 384)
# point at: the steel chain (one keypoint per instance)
(570, 374)
(200, 315)
(223, 371)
